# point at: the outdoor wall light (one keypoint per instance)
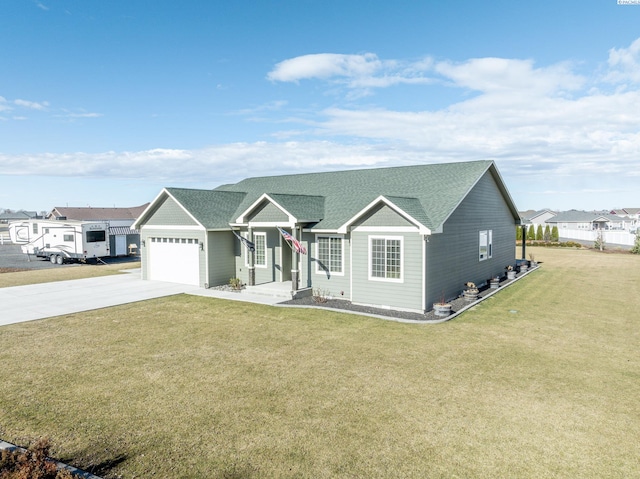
(143, 243)
(201, 246)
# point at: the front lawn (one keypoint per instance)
(63, 273)
(542, 380)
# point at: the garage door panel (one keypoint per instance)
(175, 261)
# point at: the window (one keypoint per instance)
(95, 236)
(329, 254)
(486, 245)
(260, 240)
(385, 258)
(68, 238)
(35, 228)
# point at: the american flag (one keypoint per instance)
(294, 242)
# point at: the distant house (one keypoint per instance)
(123, 239)
(17, 216)
(631, 215)
(533, 219)
(398, 238)
(585, 220)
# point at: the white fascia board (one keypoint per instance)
(381, 199)
(136, 223)
(241, 219)
(164, 192)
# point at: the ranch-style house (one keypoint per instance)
(399, 238)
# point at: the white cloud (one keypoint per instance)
(32, 105)
(325, 65)
(4, 106)
(356, 72)
(624, 64)
(506, 76)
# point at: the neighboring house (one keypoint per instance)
(17, 216)
(630, 215)
(533, 219)
(398, 238)
(585, 220)
(123, 240)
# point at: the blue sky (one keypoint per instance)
(103, 103)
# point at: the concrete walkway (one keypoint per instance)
(38, 301)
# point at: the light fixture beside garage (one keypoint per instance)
(201, 246)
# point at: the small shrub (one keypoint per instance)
(235, 283)
(599, 242)
(636, 245)
(320, 295)
(32, 463)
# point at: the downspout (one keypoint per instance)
(524, 241)
(425, 239)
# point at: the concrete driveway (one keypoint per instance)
(37, 301)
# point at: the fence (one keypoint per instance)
(623, 238)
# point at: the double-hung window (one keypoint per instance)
(486, 245)
(330, 255)
(385, 258)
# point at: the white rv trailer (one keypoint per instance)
(61, 241)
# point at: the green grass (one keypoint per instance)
(541, 380)
(75, 271)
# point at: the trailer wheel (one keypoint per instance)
(52, 258)
(59, 260)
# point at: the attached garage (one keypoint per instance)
(176, 260)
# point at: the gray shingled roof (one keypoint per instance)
(576, 216)
(430, 192)
(304, 207)
(213, 209)
(330, 200)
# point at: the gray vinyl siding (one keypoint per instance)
(220, 247)
(336, 285)
(406, 295)
(148, 232)
(453, 255)
(268, 212)
(383, 216)
(170, 213)
(268, 274)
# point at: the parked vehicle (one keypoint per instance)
(61, 241)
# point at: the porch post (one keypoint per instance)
(252, 261)
(294, 261)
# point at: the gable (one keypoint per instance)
(267, 212)
(381, 216)
(168, 212)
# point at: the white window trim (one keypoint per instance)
(322, 271)
(387, 280)
(489, 236)
(246, 256)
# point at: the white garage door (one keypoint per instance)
(176, 260)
